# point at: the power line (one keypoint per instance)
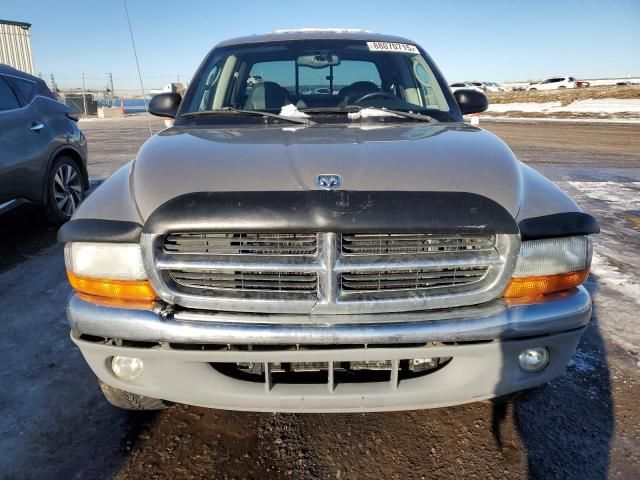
(135, 53)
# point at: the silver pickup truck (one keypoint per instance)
(320, 231)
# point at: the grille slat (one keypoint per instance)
(247, 276)
(412, 275)
(248, 281)
(242, 243)
(418, 280)
(414, 243)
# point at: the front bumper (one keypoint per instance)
(484, 343)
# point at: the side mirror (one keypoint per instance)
(470, 101)
(165, 104)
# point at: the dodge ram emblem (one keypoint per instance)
(329, 182)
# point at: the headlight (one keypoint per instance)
(118, 261)
(550, 265)
(108, 270)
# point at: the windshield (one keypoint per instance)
(319, 76)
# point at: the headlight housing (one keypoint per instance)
(108, 270)
(550, 265)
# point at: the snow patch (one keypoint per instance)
(608, 121)
(370, 112)
(291, 111)
(621, 196)
(612, 277)
(321, 30)
(522, 107)
(604, 105)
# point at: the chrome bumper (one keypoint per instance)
(495, 320)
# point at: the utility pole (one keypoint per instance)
(84, 98)
(110, 75)
(54, 87)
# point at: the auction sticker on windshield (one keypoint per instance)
(392, 47)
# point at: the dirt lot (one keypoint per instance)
(565, 96)
(585, 425)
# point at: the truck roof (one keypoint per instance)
(314, 34)
(9, 70)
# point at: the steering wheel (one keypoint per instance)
(371, 95)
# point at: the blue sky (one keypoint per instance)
(469, 40)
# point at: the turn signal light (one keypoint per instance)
(534, 286)
(117, 302)
(120, 289)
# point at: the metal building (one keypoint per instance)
(15, 45)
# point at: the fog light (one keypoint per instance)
(422, 364)
(127, 368)
(534, 359)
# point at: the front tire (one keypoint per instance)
(65, 190)
(131, 401)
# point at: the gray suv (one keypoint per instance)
(357, 249)
(43, 153)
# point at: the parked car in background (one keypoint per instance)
(496, 87)
(459, 85)
(558, 83)
(487, 86)
(43, 153)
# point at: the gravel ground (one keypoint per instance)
(586, 424)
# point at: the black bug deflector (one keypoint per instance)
(99, 230)
(338, 211)
(558, 225)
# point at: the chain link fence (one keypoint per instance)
(87, 94)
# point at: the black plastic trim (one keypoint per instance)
(97, 230)
(558, 225)
(332, 211)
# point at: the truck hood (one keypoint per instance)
(404, 157)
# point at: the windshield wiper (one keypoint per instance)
(356, 112)
(380, 112)
(346, 109)
(255, 113)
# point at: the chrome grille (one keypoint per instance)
(229, 280)
(454, 279)
(328, 273)
(242, 243)
(416, 243)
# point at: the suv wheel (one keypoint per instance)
(65, 190)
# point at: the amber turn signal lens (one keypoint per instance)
(118, 302)
(532, 286)
(121, 289)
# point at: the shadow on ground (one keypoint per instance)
(25, 232)
(566, 430)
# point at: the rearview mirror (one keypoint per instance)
(471, 101)
(318, 60)
(165, 104)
